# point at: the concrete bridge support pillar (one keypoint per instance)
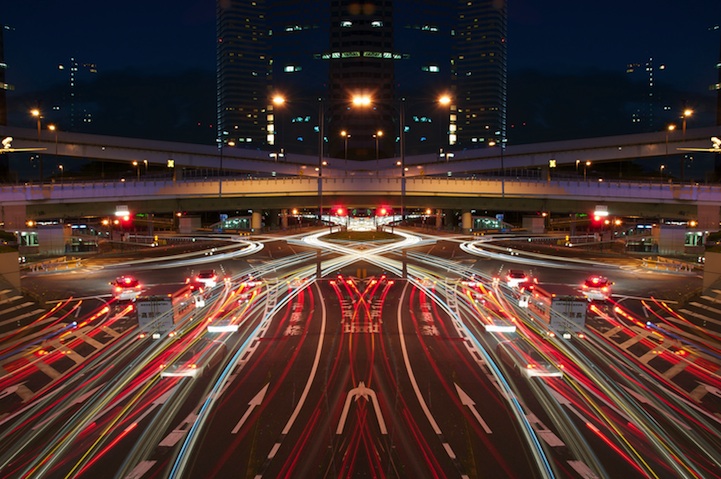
(466, 221)
(450, 219)
(284, 219)
(14, 217)
(439, 219)
(708, 217)
(273, 219)
(256, 221)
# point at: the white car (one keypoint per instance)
(516, 277)
(523, 359)
(597, 288)
(208, 278)
(196, 361)
(126, 288)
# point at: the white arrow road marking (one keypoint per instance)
(253, 403)
(365, 393)
(467, 401)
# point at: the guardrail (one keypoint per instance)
(665, 264)
(54, 264)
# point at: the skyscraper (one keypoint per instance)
(243, 71)
(479, 71)
(400, 55)
(3, 86)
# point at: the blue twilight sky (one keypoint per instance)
(566, 36)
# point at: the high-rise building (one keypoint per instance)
(243, 71)
(3, 86)
(479, 71)
(400, 55)
(298, 36)
(360, 88)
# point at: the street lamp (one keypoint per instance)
(669, 129)
(280, 100)
(35, 112)
(364, 101)
(221, 142)
(62, 171)
(503, 167)
(345, 136)
(136, 165)
(403, 158)
(377, 137)
(662, 168)
(686, 114)
(585, 167)
(54, 129)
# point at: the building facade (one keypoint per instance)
(400, 56)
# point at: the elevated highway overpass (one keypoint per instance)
(262, 163)
(252, 179)
(100, 198)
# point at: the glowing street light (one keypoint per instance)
(377, 137)
(345, 136)
(669, 129)
(280, 100)
(35, 112)
(54, 129)
(686, 114)
(364, 100)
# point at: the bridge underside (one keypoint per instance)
(48, 211)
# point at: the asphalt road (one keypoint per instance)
(360, 374)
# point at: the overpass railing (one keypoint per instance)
(228, 187)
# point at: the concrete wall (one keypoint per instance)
(670, 239)
(188, 224)
(53, 238)
(711, 269)
(534, 224)
(10, 268)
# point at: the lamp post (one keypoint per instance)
(364, 101)
(377, 137)
(54, 129)
(662, 168)
(279, 100)
(35, 112)
(221, 142)
(321, 140)
(503, 167)
(669, 129)
(585, 167)
(686, 113)
(62, 171)
(345, 136)
(403, 158)
(136, 165)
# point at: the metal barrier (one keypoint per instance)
(54, 264)
(665, 264)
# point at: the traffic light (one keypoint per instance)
(340, 211)
(383, 211)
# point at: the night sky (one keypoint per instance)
(566, 36)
